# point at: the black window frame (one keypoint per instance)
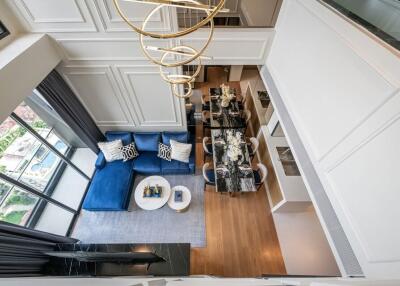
(45, 196)
(5, 32)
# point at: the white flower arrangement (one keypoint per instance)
(226, 96)
(234, 150)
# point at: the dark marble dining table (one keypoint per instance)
(230, 116)
(231, 176)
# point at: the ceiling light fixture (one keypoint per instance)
(179, 55)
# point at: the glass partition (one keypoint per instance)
(380, 17)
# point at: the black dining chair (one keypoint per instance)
(208, 175)
(252, 147)
(215, 91)
(260, 175)
(205, 104)
(207, 147)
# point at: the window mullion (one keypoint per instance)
(48, 145)
(33, 191)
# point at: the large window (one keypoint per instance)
(33, 158)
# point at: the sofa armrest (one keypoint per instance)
(192, 159)
(101, 161)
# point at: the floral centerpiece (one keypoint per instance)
(234, 142)
(226, 96)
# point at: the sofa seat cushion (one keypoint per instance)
(110, 187)
(177, 136)
(147, 163)
(147, 141)
(174, 167)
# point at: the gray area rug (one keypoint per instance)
(139, 226)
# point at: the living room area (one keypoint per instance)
(217, 224)
(154, 188)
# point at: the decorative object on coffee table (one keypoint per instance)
(180, 206)
(152, 192)
(178, 196)
(143, 197)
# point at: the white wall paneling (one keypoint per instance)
(99, 92)
(105, 49)
(136, 12)
(151, 98)
(233, 46)
(105, 65)
(342, 91)
(55, 16)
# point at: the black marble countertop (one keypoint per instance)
(226, 117)
(175, 260)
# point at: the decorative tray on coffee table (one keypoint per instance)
(152, 192)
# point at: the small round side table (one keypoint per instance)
(186, 198)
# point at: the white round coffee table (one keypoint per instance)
(186, 198)
(152, 203)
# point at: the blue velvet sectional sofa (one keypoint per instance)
(112, 183)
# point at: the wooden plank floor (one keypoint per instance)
(241, 236)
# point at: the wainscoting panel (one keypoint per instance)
(99, 92)
(104, 63)
(136, 13)
(126, 49)
(342, 91)
(150, 97)
(338, 84)
(55, 16)
(378, 195)
(238, 46)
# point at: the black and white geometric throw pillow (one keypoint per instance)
(129, 152)
(164, 152)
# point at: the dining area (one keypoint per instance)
(228, 154)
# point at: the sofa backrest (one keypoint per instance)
(182, 137)
(147, 141)
(126, 137)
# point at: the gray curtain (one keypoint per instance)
(64, 101)
(22, 250)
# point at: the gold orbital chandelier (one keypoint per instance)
(181, 54)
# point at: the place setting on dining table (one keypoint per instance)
(232, 164)
(226, 112)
